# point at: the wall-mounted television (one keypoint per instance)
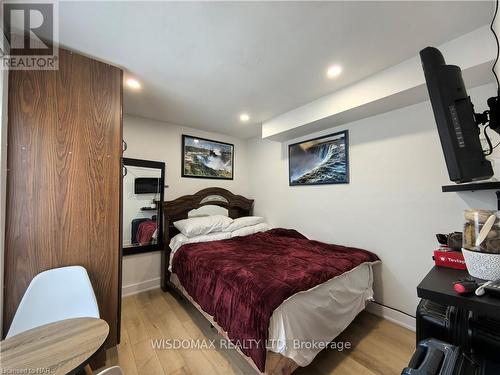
(147, 185)
(458, 125)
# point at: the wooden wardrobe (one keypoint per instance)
(64, 179)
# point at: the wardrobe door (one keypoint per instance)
(64, 179)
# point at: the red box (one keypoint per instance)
(450, 259)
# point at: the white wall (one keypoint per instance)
(393, 205)
(3, 176)
(154, 140)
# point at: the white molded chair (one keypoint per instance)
(53, 295)
(115, 370)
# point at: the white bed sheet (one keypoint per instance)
(317, 315)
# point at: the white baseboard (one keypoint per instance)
(128, 290)
(391, 315)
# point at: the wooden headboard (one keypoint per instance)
(178, 209)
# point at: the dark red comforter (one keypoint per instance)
(242, 280)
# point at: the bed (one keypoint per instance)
(315, 294)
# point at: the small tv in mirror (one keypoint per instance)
(147, 185)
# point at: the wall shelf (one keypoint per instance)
(148, 209)
(475, 186)
(492, 185)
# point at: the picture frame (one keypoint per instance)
(207, 158)
(319, 161)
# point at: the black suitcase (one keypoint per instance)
(484, 335)
(433, 357)
(435, 321)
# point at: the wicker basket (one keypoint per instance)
(485, 266)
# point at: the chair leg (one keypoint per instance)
(88, 370)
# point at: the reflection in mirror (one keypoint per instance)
(142, 188)
(208, 210)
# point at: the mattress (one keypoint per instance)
(304, 322)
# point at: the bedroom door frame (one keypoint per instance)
(153, 165)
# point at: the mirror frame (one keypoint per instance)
(159, 215)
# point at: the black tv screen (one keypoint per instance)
(147, 185)
(454, 114)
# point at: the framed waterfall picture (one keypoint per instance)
(322, 160)
(204, 158)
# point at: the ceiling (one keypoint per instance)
(201, 64)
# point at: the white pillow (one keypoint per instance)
(245, 221)
(198, 226)
(262, 227)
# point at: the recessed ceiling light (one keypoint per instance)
(133, 84)
(334, 71)
(244, 117)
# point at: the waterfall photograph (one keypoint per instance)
(322, 160)
(205, 158)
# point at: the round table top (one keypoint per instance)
(55, 348)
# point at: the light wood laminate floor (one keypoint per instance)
(378, 346)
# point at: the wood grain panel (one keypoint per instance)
(64, 178)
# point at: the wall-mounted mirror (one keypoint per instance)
(143, 191)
